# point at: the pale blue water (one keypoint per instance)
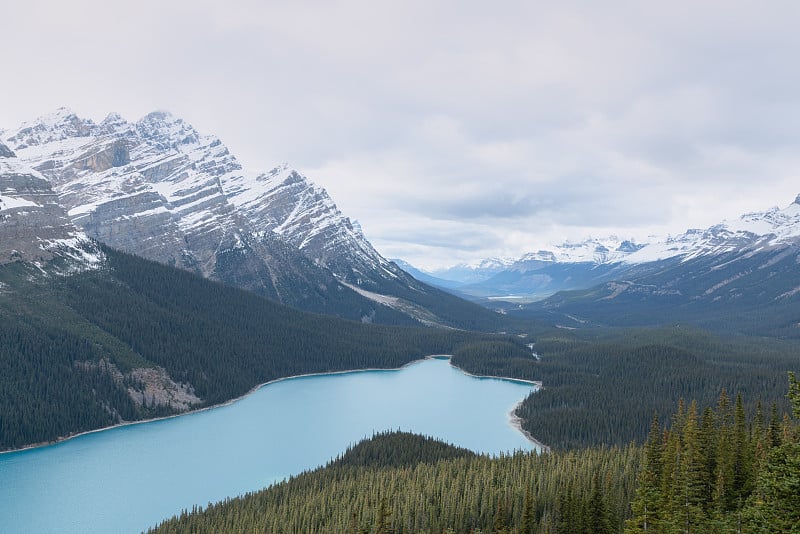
(130, 478)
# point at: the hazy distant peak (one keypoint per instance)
(61, 124)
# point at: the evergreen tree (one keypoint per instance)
(648, 499)
(597, 520)
(688, 502)
(500, 523)
(775, 507)
(528, 520)
(383, 518)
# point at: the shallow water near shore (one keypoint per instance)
(129, 478)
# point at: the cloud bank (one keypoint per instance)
(452, 131)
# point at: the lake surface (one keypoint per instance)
(129, 478)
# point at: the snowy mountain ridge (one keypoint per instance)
(770, 228)
(751, 231)
(115, 177)
(592, 261)
(591, 250)
(162, 190)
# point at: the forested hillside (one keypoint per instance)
(718, 470)
(601, 387)
(709, 469)
(72, 348)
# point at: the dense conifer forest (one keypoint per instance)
(601, 387)
(708, 469)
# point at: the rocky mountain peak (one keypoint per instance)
(158, 188)
(113, 124)
(61, 124)
(166, 130)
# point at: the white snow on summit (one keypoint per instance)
(771, 228)
(611, 249)
(160, 177)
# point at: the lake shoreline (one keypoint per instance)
(514, 420)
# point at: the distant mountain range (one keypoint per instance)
(585, 264)
(737, 276)
(160, 189)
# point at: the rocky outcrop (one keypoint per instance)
(151, 387)
(113, 154)
(6, 152)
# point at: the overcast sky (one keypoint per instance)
(453, 131)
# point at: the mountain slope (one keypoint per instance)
(583, 265)
(160, 189)
(741, 276)
(33, 226)
(134, 339)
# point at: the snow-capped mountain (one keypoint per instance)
(470, 273)
(592, 250)
(584, 264)
(128, 183)
(452, 278)
(538, 274)
(741, 275)
(757, 231)
(34, 227)
(162, 190)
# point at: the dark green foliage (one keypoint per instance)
(455, 493)
(399, 449)
(602, 387)
(774, 505)
(45, 391)
(497, 358)
(718, 476)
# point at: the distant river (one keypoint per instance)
(129, 478)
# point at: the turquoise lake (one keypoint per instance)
(129, 478)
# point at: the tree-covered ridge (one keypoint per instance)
(399, 449)
(718, 470)
(442, 491)
(68, 344)
(603, 387)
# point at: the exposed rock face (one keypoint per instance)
(156, 388)
(160, 189)
(149, 386)
(33, 225)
